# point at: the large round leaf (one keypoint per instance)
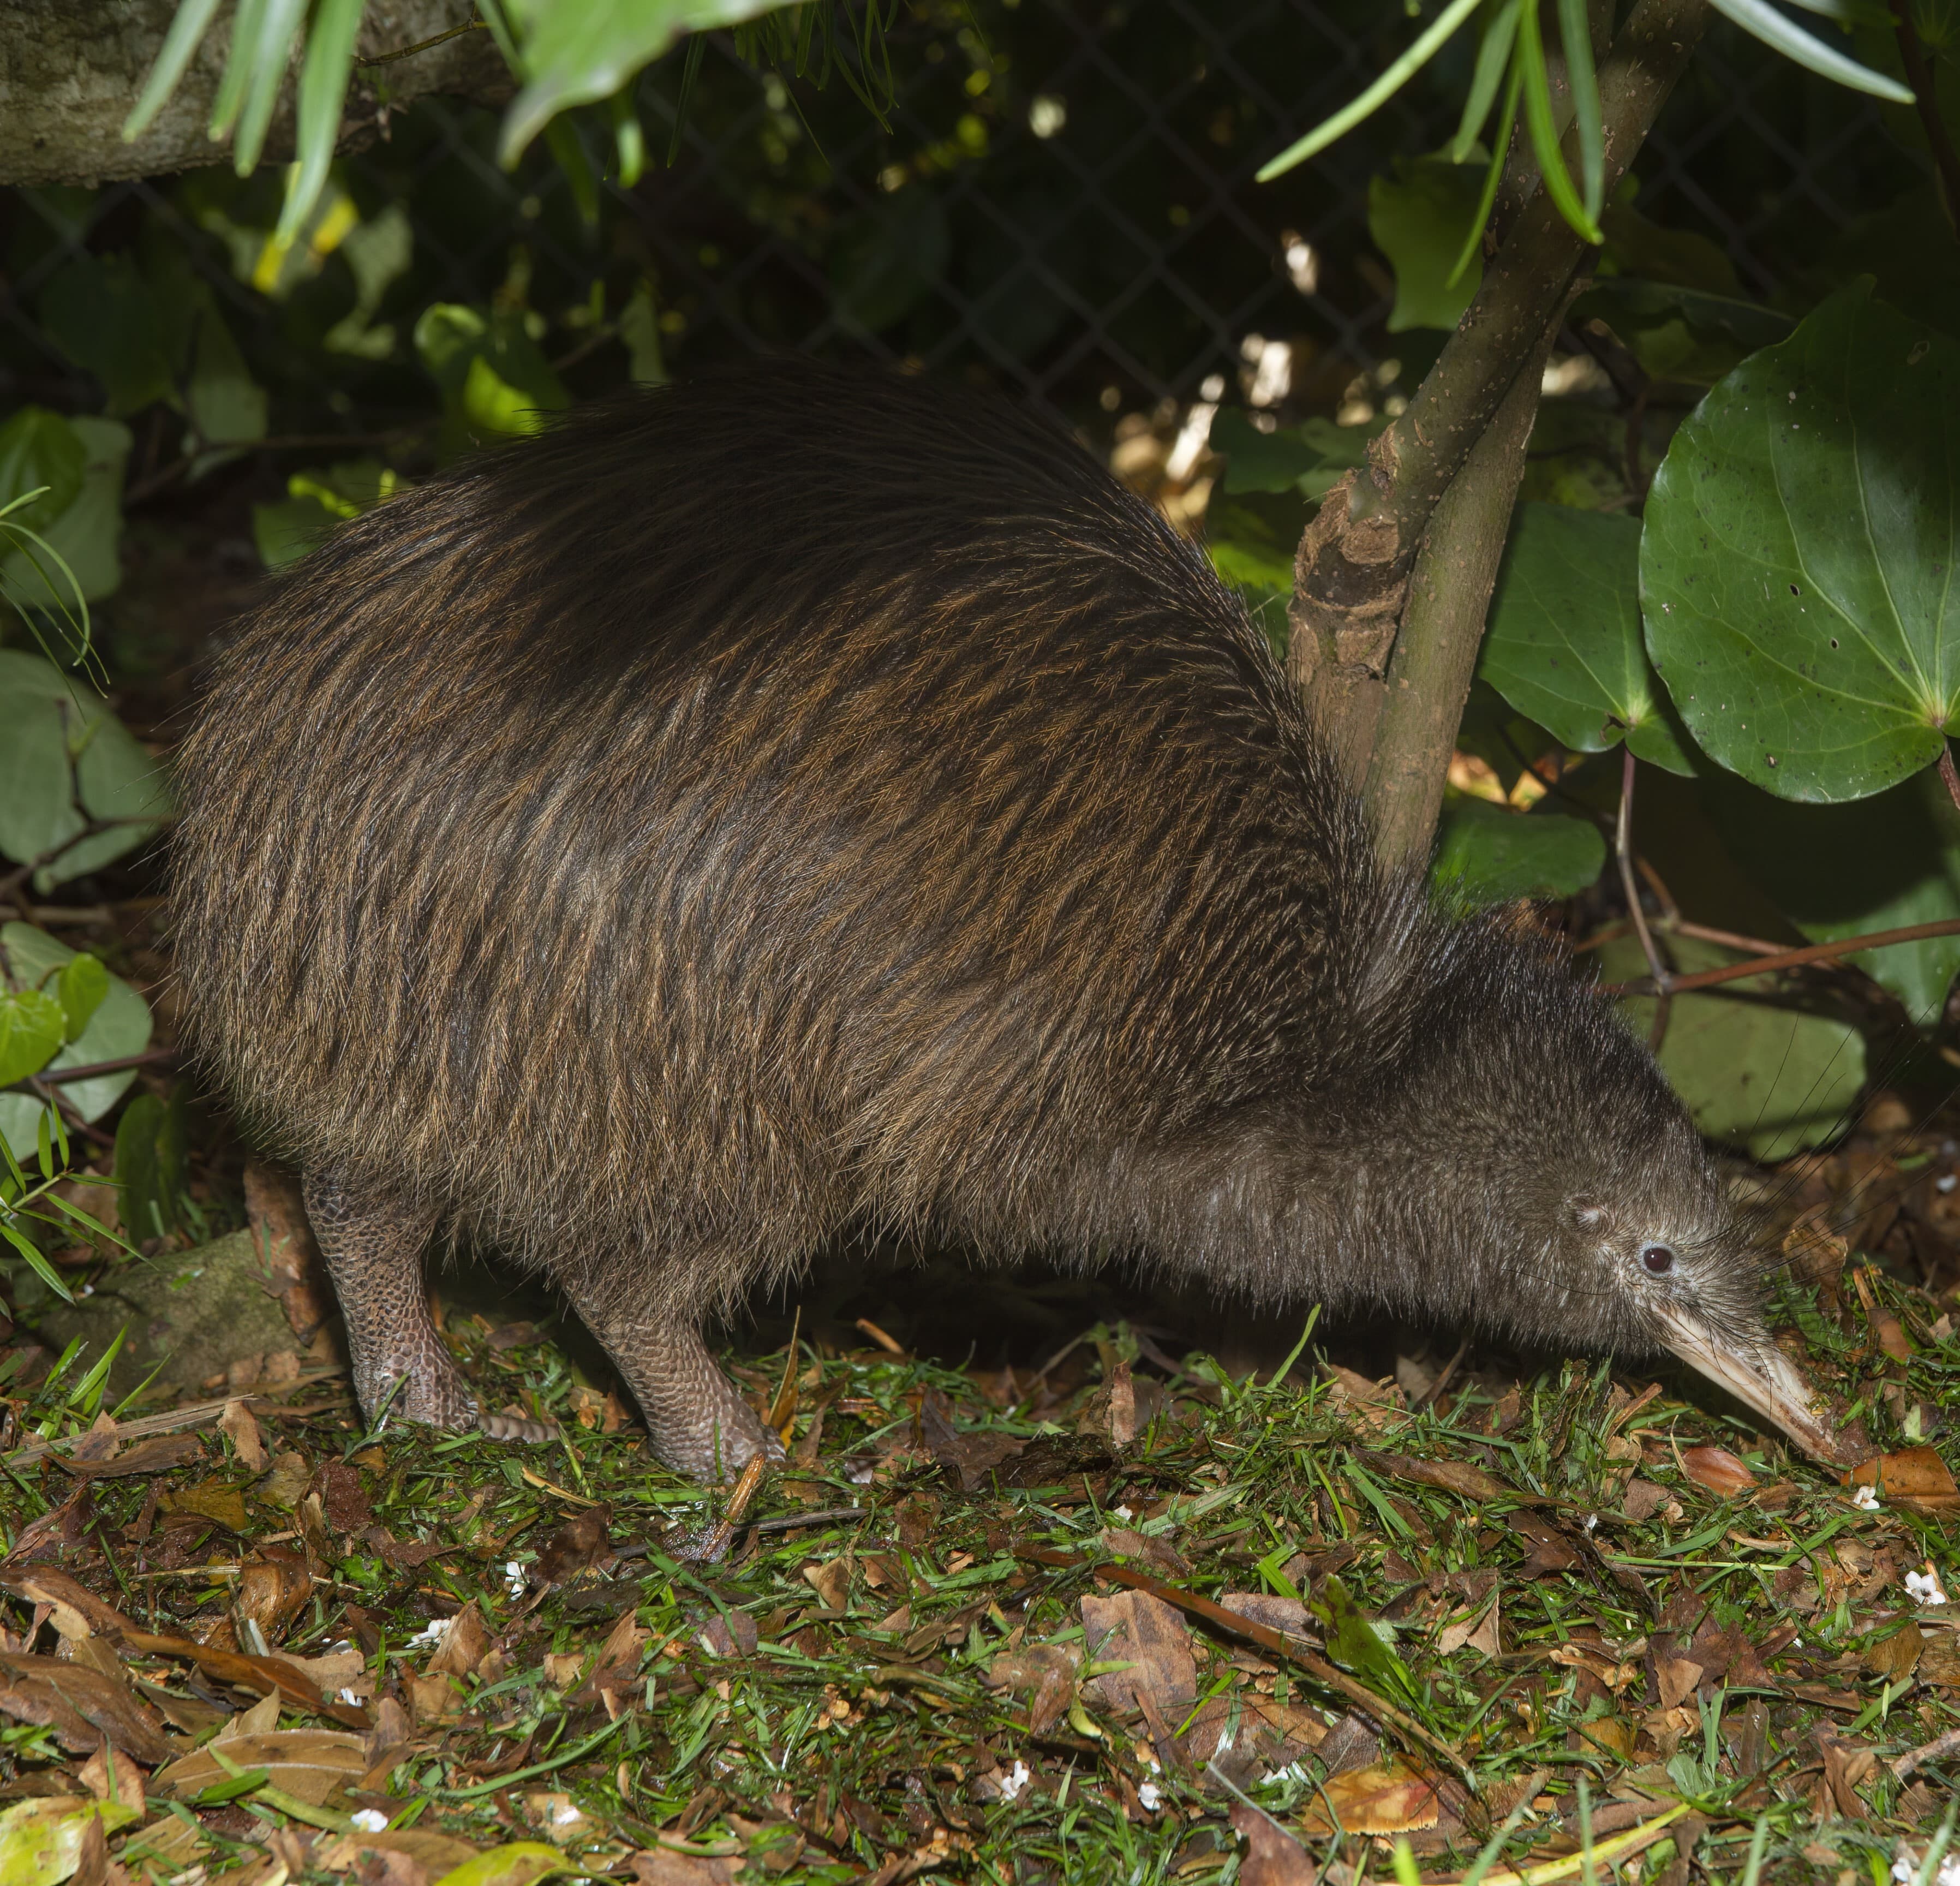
(1797, 568)
(1563, 646)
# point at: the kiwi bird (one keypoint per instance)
(806, 801)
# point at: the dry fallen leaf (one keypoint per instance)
(463, 1645)
(1716, 1469)
(582, 1544)
(1550, 1551)
(831, 1582)
(309, 1764)
(1162, 1558)
(1896, 1658)
(1388, 1797)
(274, 1587)
(1678, 1680)
(81, 1705)
(1916, 1478)
(238, 1421)
(209, 1499)
(1451, 1476)
(1273, 1856)
(1477, 1629)
(434, 1854)
(1148, 1635)
(1043, 1673)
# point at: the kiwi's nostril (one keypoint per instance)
(1658, 1259)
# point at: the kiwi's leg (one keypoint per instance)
(374, 1247)
(696, 1422)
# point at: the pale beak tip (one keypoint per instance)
(1768, 1382)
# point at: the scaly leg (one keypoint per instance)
(696, 1422)
(373, 1249)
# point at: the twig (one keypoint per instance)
(1948, 776)
(471, 25)
(197, 1414)
(155, 482)
(1277, 1643)
(15, 879)
(150, 1057)
(1622, 849)
(1932, 1751)
(1794, 959)
(1443, 1380)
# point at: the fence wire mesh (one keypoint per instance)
(1060, 200)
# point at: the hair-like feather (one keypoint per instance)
(804, 799)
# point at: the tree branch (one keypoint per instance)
(1352, 571)
(71, 69)
(1421, 703)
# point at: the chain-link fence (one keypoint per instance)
(1059, 199)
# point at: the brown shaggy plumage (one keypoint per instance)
(800, 799)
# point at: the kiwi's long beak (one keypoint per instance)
(1763, 1379)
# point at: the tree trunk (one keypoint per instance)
(70, 70)
(1356, 628)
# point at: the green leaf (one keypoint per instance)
(1796, 567)
(224, 402)
(1655, 254)
(267, 44)
(324, 79)
(30, 1033)
(37, 810)
(1564, 645)
(151, 1165)
(104, 316)
(1762, 21)
(1575, 35)
(886, 258)
(87, 535)
(1494, 60)
(1353, 1642)
(491, 404)
(1378, 95)
(40, 1839)
(319, 498)
(120, 1026)
(1308, 458)
(80, 987)
(1762, 1076)
(502, 396)
(576, 54)
(1629, 304)
(1876, 863)
(38, 447)
(1487, 854)
(1541, 122)
(1419, 219)
(517, 1865)
(23, 1247)
(187, 31)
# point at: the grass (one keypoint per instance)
(1586, 1635)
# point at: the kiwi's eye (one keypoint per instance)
(1657, 1260)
